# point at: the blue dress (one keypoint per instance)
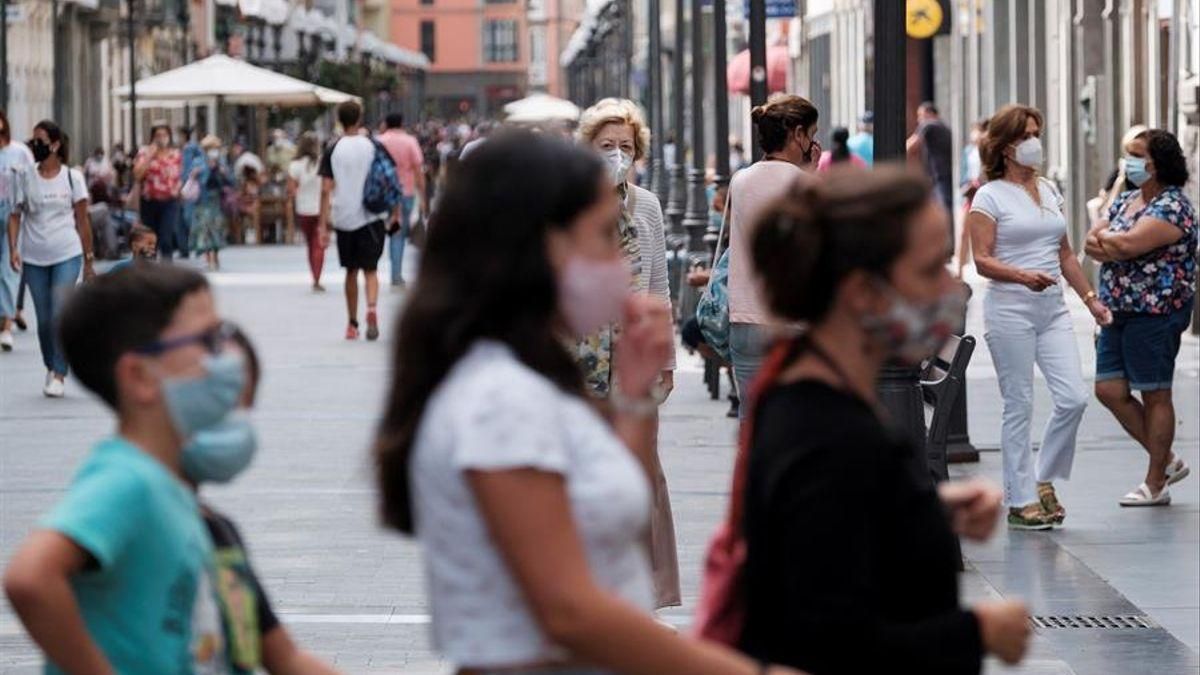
(209, 226)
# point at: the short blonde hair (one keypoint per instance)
(608, 111)
(210, 141)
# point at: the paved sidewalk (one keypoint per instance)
(354, 592)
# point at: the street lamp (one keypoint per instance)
(758, 59)
(654, 70)
(720, 111)
(133, 142)
(695, 220)
(677, 197)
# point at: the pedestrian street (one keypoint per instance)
(353, 592)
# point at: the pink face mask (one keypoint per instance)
(591, 294)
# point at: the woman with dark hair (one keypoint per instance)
(1019, 240)
(50, 220)
(787, 132)
(1147, 244)
(840, 152)
(304, 192)
(851, 563)
(531, 504)
(157, 173)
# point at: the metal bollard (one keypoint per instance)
(899, 391)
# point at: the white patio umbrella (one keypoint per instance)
(541, 108)
(233, 81)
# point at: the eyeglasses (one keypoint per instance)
(213, 340)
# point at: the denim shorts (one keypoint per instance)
(1142, 348)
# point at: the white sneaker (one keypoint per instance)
(6, 340)
(55, 388)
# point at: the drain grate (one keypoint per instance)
(1125, 621)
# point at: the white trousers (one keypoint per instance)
(1026, 328)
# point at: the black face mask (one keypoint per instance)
(40, 150)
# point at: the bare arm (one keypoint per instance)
(419, 184)
(323, 216)
(292, 187)
(983, 245)
(1146, 235)
(83, 225)
(1091, 244)
(281, 656)
(528, 516)
(1071, 269)
(14, 229)
(37, 585)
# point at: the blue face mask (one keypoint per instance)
(1135, 170)
(196, 403)
(220, 452)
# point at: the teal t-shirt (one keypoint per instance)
(148, 603)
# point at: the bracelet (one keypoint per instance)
(1089, 296)
(644, 406)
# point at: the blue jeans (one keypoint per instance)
(10, 281)
(49, 284)
(162, 216)
(748, 344)
(183, 229)
(396, 245)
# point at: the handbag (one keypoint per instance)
(721, 610)
(190, 191)
(712, 310)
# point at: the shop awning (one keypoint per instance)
(778, 61)
(232, 81)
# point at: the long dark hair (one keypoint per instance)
(484, 274)
(55, 133)
(841, 144)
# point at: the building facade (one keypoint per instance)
(478, 52)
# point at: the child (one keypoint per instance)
(253, 634)
(116, 577)
(143, 247)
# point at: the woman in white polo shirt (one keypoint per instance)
(1019, 237)
(51, 224)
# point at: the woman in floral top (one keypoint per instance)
(1147, 245)
(158, 171)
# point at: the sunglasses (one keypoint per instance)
(213, 340)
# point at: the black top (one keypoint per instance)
(851, 564)
(938, 155)
(245, 610)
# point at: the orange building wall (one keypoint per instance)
(458, 32)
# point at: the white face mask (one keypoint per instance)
(214, 154)
(1028, 153)
(618, 165)
(592, 294)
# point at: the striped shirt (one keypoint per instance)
(648, 218)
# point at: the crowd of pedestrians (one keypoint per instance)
(519, 438)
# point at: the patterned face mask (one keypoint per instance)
(911, 332)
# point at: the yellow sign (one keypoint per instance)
(923, 18)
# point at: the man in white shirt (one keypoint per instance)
(360, 235)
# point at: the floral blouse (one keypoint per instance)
(1163, 280)
(163, 176)
(595, 352)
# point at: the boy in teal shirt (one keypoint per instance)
(116, 577)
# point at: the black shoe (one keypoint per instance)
(735, 408)
(20, 321)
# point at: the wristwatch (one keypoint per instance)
(1089, 296)
(89, 256)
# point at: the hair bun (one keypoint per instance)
(757, 112)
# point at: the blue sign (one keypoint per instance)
(776, 9)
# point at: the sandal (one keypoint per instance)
(1050, 504)
(1141, 496)
(1030, 517)
(1177, 471)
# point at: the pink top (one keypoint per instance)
(752, 190)
(826, 162)
(406, 152)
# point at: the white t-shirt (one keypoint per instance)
(13, 158)
(308, 186)
(48, 234)
(493, 413)
(1028, 236)
(348, 165)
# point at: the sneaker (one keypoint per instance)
(351, 332)
(55, 388)
(6, 340)
(1029, 518)
(20, 321)
(399, 285)
(318, 288)
(372, 326)
(1050, 504)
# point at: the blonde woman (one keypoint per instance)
(617, 130)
